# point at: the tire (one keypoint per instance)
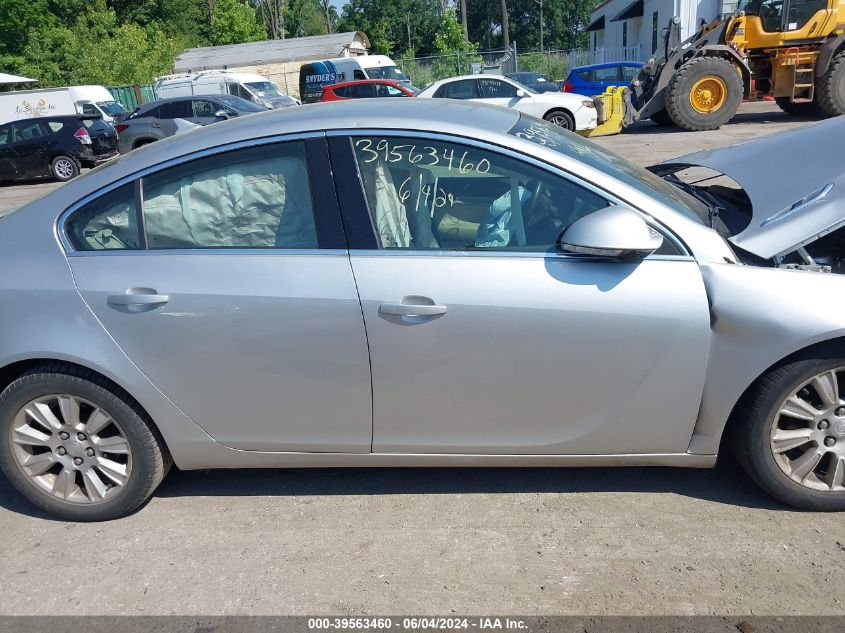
(753, 441)
(139, 457)
(662, 119)
(797, 109)
(830, 88)
(679, 93)
(141, 143)
(561, 118)
(64, 168)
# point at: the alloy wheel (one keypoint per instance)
(64, 168)
(71, 449)
(808, 433)
(560, 119)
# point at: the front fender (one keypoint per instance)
(759, 316)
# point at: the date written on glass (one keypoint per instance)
(424, 195)
(370, 150)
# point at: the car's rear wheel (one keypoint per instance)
(561, 118)
(64, 168)
(77, 446)
(792, 441)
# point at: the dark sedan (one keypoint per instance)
(57, 146)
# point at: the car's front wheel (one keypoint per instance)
(791, 434)
(64, 168)
(561, 118)
(77, 446)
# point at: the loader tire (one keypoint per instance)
(797, 109)
(830, 88)
(662, 119)
(704, 94)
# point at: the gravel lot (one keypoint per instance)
(499, 541)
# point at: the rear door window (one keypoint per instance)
(29, 130)
(609, 74)
(107, 223)
(463, 89)
(362, 91)
(175, 110)
(251, 198)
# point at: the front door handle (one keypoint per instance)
(137, 299)
(413, 306)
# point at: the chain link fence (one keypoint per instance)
(555, 64)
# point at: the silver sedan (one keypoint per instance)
(425, 283)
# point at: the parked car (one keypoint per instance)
(56, 146)
(569, 111)
(250, 86)
(368, 89)
(340, 285)
(159, 119)
(536, 81)
(595, 79)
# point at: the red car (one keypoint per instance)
(367, 89)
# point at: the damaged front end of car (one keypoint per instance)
(779, 200)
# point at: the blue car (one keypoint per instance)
(595, 79)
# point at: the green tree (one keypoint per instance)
(235, 22)
(97, 49)
(304, 18)
(17, 19)
(395, 26)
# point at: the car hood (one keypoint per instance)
(795, 181)
(569, 98)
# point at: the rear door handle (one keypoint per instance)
(424, 308)
(137, 299)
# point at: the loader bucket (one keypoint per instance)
(614, 111)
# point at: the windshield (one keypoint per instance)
(265, 88)
(240, 104)
(111, 107)
(574, 146)
(387, 72)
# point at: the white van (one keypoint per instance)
(313, 76)
(250, 86)
(97, 100)
(26, 104)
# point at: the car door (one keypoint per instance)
(236, 298)
(483, 337)
(499, 92)
(31, 144)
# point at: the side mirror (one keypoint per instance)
(520, 94)
(616, 232)
(221, 114)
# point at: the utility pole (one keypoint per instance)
(541, 25)
(506, 38)
(463, 4)
(408, 17)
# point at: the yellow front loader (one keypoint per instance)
(792, 50)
